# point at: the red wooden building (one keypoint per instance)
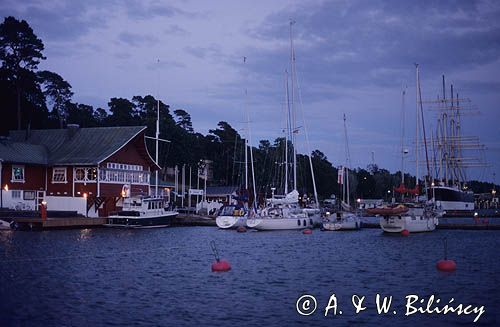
(77, 169)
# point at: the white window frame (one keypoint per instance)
(86, 172)
(59, 169)
(120, 166)
(13, 180)
(18, 195)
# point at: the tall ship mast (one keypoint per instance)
(452, 155)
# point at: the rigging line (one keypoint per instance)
(299, 94)
(423, 129)
(402, 132)
(234, 157)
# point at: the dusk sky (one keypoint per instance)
(352, 57)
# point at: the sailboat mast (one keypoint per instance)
(248, 147)
(417, 132)
(246, 156)
(294, 120)
(156, 144)
(287, 133)
(402, 135)
(157, 134)
(347, 163)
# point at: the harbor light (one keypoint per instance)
(6, 188)
(358, 200)
(85, 195)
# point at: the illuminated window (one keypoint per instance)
(59, 174)
(18, 173)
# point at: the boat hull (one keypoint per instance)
(396, 224)
(4, 225)
(348, 223)
(267, 223)
(164, 220)
(231, 222)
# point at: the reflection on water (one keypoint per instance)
(162, 276)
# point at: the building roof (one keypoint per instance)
(78, 146)
(18, 152)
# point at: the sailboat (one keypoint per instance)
(411, 214)
(284, 212)
(345, 218)
(235, 215)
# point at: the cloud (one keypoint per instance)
(176, 30)
(376, 42)
(143, 10)
(165, 64)
(57, 21)
(212, 51)
(136, 40)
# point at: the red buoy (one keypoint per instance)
(405, 232)
(307, 231)
(221, 266)
(446, 265)
(241, 229)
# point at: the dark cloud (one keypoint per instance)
(69, 20)
(61, 21)
(377, 42)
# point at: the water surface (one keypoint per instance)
(162, 277)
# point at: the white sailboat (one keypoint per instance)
(235, 215)
(284, 212)
(345, 218)
(413, 216)
(5, 225)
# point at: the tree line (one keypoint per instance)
(39, 99)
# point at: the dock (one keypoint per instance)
(58, 223)
(185, 220)
(193, 220)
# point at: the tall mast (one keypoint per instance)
(423, 133)
(347, 162)
(417, 132)
(157, 135)
(294, 120)
(287, 130)
(403, 93)
(248, 144)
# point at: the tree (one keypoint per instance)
(81, 114)
(58, 92)
(122, 113)
(20, 53)
(184, 120)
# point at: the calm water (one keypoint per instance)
(162, 277)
